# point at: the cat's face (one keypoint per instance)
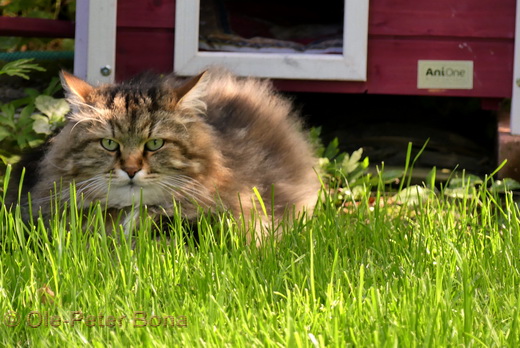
(135, 143)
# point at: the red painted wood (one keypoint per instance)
(139, 50)
(470, 18)
(459, 18)
(392, 64)
(36, 27)
(392, 69)
(146, 13)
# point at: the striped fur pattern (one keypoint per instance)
(205, 143)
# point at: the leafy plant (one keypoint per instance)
(350, 173)
(20, 68)
(26, 122)
(460, 186)
(52, 115)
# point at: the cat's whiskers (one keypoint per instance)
(172, 190)
(180, 196)
(91, 187)
(56, 166)
(55, 196)
(61, 195)
(79, 104)
(85, 119)
(189, 188)
(191, 183)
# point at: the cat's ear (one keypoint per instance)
(189, 95)
(75, 88)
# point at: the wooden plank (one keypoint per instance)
(146, 13)
(392, 68)
(35, 27)
(470, 18)
(392, 64)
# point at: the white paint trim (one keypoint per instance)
(515, 101)
(95, 45)
(351, 65)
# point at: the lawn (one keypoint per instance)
(440, 271)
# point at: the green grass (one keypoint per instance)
(443, 272)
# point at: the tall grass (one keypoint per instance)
(441, 272)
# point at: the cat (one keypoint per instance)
(205, 142)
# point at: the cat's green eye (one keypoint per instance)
(109, 144)
(154, 144)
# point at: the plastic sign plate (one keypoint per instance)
(445, 74)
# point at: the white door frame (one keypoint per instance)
(515, 101)
(351, 65)
(95, 44)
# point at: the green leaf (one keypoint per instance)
(8, 42)
(4, 121)
(20, 68)
(314, 137)
(351, 162)
(332, 149)
(357, 192)
(413, 195)
(468, 179)
(54, 108)
(7, 115)
(460, 192)
(389, 176)
(32, 93)
(8, 158)
(53, 87)
(26, 112)
(41, 124)
(323, 162)
(502, 186)
(35, 13)
(364, 164)
(35, 142)
(431, 177)
(4, 133)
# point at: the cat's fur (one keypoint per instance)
(222, 135)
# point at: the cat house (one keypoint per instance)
(410, 47)
(397, 35)
(392, 46)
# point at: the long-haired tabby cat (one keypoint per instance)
(205, 143)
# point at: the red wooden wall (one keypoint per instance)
(35, 27)
(401, 32)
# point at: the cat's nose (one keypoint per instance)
(131, 171)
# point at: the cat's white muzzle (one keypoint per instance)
(124, 191)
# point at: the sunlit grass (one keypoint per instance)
(442, 272)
